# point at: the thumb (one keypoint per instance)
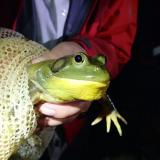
(45, 56)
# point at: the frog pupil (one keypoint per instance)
(78, 58)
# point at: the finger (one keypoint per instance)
(45, 56)
(50, 121)
(62, 110)
(39, 59)
(58, 111)
(45, 109)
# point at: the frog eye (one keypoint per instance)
(78, 59)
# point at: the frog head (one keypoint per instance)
(74, 77)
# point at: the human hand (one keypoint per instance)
(60, 50)
(56, 114)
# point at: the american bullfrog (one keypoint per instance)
(71, 78)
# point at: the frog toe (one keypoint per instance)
(97, 120)
(113, 116)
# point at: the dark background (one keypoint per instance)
(136, 95)
(136, 91)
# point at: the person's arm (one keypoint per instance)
(109, 30)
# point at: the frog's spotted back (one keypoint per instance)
(17, 116)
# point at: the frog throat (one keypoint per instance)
(72, 89)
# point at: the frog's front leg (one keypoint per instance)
(110, 112)
(34, 93)
(38, 95)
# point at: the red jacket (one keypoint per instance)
(109, 29)
(111, 32)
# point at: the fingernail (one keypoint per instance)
(36, 60)
(47, 109)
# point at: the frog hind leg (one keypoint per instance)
(113, 117)
(110, 112)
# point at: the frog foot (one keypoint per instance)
(113, 116)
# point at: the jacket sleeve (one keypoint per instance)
(110, 30)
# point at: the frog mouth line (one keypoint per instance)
(61, 90)
(71, 84)
(66, 81)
